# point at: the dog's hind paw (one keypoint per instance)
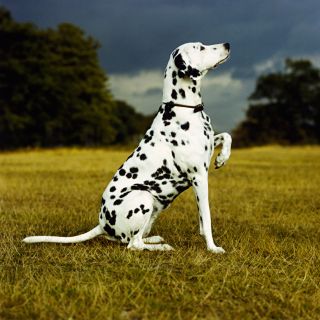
(153, 239)
(167, 247)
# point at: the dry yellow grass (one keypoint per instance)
(265, 208)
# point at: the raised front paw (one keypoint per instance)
(221, 159)
(216, 250)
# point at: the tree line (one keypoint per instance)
(53, 92)
(284, 108)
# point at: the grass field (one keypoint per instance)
(265, 207)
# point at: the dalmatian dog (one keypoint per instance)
(174, 155)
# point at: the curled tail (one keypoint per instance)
(82, 237)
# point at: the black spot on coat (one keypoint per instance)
(148, 136)
(117, 202)
(124, 194)
(129, 214)
(174, 142)
(179, 62)
(185, 126)
(139, 186)
(182, 93)
(168, 112)
(110, 231)
(143, 157)
(175, 52)
(192, 72)
(111, 217)
(174, 94)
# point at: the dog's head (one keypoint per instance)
(193, 60)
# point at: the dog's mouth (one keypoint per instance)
(221, 61)
(225, 59)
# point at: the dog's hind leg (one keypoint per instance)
(152, 239)
(150, 243)
(134, 219)
(137, 243)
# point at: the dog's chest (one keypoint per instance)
(184, 142)
(190, 136)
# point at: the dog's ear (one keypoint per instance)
(185, 69)
(180, 64)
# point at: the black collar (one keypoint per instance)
(197, 108)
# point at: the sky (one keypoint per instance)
(137, 37)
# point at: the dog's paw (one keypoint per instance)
(153, 239)
(167, 247)
(221, 159)
(216, 250)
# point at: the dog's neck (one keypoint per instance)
(180, 90)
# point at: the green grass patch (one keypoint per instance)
(265, 211)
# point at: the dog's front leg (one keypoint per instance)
(225, 140)
(200, 187)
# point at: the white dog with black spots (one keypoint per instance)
(174, 155)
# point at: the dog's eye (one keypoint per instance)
(202, 48)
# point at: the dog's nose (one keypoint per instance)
(227, 46)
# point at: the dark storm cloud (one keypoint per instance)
(139, 35)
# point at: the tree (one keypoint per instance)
(53, 90)
(284, 108)
(131, 124)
